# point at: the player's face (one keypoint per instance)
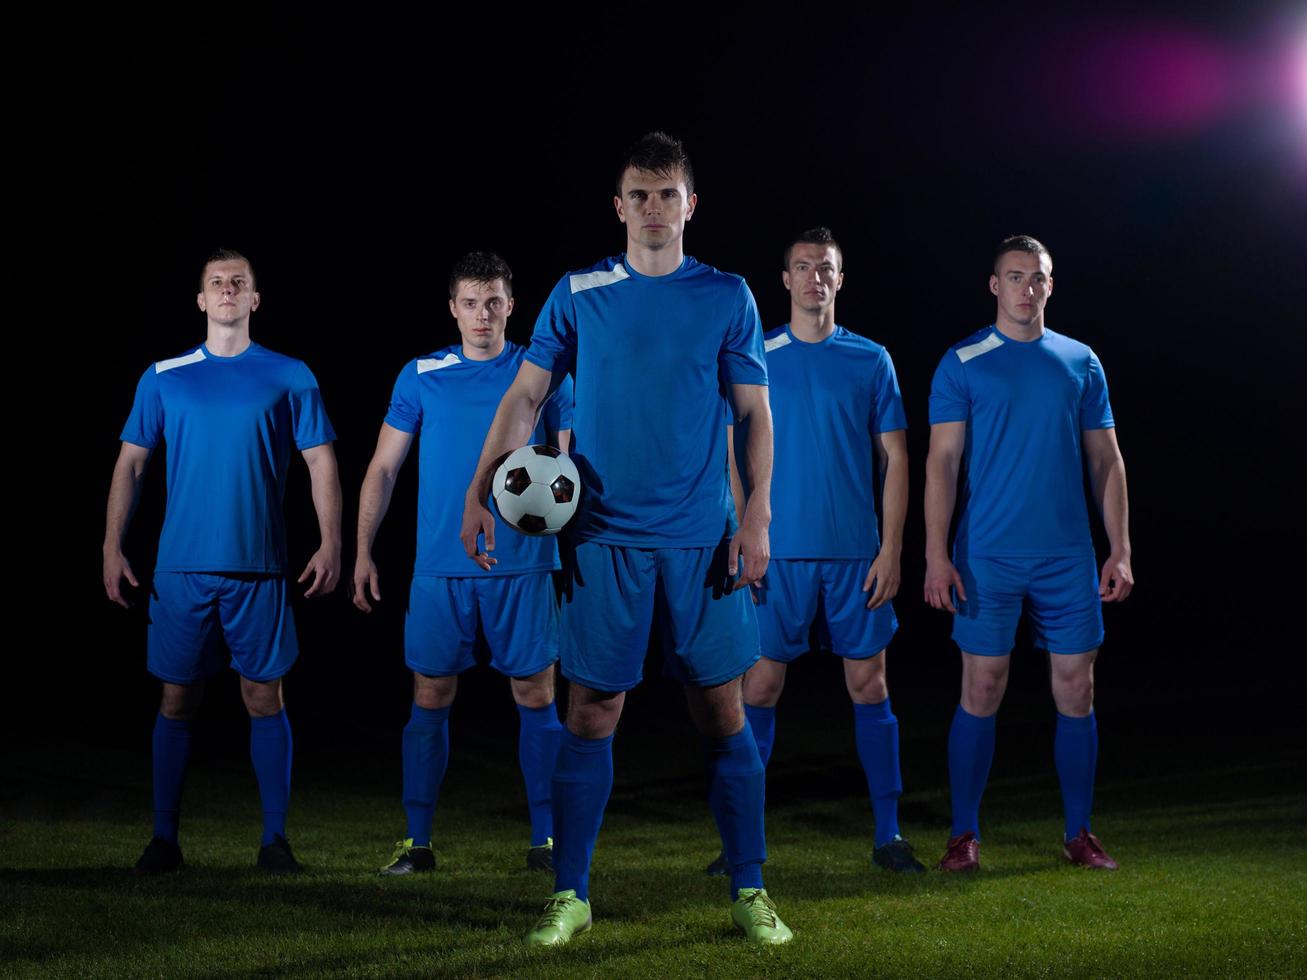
(1023, 283)
(653, 207)
(482, 310)
(814, 276)
(228, 295)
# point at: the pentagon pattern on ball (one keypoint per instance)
(537, 489)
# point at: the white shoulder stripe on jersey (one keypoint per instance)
(779, 341)
(589, 280)
(426, 364)
(983, 347)
(176, 362)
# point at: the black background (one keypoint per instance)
(355, 161)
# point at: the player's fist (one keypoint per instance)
(478, 521)
(366, 578)
(1117, 579)
(941, 577)
(116, 569)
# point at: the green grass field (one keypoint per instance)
(1213, 879)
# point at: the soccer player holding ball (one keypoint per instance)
(1022, 408)
(835, 404)
(654, 340)
(230, 411)
(449, 397)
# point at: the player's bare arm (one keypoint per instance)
(124, 492)
(753, 413)
(515, 420)
(374, 500)
(323, 568)
(737, 485)
(885, 575)
(1107, 477)
(944, 461)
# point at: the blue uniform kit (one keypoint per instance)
(1023, 528)
(230, 425)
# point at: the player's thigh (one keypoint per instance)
(258, 625)
(182, 639)
(711, 632)
(855, 631)
(607, 612)
(440, 625)
(787, 605)
(519, 617)
(986, 623)
(1066, 612)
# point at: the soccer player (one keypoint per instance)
(1023, 408)
(832, 394)
(449, 397)
(654, 340)
(230, 412)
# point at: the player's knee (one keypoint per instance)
(434, 693)
(596, 716)
(984, 694)
(865, 679)
(1074, 695)
(180, 702)
(262, 699)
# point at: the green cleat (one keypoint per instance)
(408, 859)
(754, 914)
(564, 916)
(897, 856)
(540, 857)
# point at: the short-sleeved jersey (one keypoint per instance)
(828, 401)
(229, 424)
(652, 358)
(1025, 405)
(449, 401)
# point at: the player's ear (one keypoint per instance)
(785, 277)
(508, 310)
(993, 285)
(453, 310)
(254, 301)
(689, 206)
(617, 205)
(199, 301)
(1050, 285)
(839, 281)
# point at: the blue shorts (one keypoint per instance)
(1061, 595)
(795, 594)
(195, 615)
(517, 616)
(610, 597)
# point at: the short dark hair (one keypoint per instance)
(483, 267)
(821, 235)
(226, 255)
(1021, 243)
(660, 154)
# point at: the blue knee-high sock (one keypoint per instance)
(270, 751)
(763, 722)
(736, 788)
(426, 756)
(970, 754)
(1075, 753)
(172, 750)
(583, 779)
(876, 732)
(538, 736)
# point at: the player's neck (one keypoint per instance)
(1021, 332)
(228, 339)
(655, 262)
(812, 328)
(471, 353)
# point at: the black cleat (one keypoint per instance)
(160, 857)
(540, 857)
(276, 858)
(408, 859)
(897, 856)
(719, 867)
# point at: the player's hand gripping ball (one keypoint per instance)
(536, 489)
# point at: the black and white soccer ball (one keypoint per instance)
(536, 489)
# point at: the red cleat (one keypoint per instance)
(1086, 851)
(962, 853)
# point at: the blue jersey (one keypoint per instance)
(828, 401)
(652, 358)
(451, 402)
(1025, 405)
(229, 424)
